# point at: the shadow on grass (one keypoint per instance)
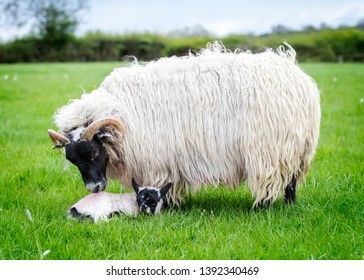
(226, 201)
(220, 200)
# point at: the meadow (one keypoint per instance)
(37, 187)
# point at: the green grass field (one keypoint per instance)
(327, 222)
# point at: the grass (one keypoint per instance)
(325, 223)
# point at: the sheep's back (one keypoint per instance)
(206, 117)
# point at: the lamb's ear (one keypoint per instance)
(135, 185)
(165, 189)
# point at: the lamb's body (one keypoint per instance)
(216, 117)
(99, 206)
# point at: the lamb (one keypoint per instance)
(150, 200)
(101, 206)
(214, 117)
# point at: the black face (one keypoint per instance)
(90, 159)
(150, 200)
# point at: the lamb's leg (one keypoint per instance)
(290, 191)
(96, 206)
(73, 212)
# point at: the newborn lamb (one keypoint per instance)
(103, 205)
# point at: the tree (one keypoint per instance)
(54, 21)
(309, 28)
(360, 24)
(280, 29)
(324, 26)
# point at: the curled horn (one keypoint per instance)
(90, 131)
(58, 140)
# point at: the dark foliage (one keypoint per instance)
(330, 45)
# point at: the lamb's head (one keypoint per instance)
(85, 148)
(150, 200)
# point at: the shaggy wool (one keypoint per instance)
(214, 117)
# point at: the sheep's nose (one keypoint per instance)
(96, 187)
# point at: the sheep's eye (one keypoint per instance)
(95, 154)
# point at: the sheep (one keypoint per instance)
(209, 118)
(102, 205)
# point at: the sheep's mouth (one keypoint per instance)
(145, 209)
(96, 187)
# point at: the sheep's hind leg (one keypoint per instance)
(264, 204)
(290, 191)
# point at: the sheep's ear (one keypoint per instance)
(165, 189)
(135, 185)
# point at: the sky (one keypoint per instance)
(219, 17)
